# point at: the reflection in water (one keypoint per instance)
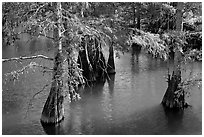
(53, 129)
(111, 84)
(75, 118)
(174, 119)
(107, 100)
(88, 115)
(135, 61)
(128, 103)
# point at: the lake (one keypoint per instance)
(128, 103)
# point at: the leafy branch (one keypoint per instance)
(152, 42)
(15, 74)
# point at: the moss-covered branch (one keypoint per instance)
(25, 58)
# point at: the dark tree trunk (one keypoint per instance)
(53, 110)
(85, 64)
(138, 15)
(134, 15)
(111, 64)
(179, 16)
(92, 61)
(174, 96)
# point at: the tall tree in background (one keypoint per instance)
(138, 14)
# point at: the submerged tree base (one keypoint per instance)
(111, 62)
(51, 120)
(92, 61)
(174, 97)
(53, 111)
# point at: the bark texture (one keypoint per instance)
(138, 15)
(92, 60)
(53, 111)
(175, 96)
(111, 63)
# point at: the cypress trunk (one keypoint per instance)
(53, 111)
(174, 96)
(84, 62)
(111, 64)
(92, 61)
(138, 15)
(134, 15)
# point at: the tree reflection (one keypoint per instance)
(135, 59)
(174, 119)
(53, 129)
(111, 84)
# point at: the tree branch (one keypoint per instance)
(189, 82)
(16, 73)
(38, 10)
(24, 58)
(39, 34)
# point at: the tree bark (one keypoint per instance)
(172, 97)
(84, 62)
(179, 16)
(138, 15)
(111, 63)
(53, 111)
(92, 61)
(134, 14)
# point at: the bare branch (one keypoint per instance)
(25, 58)
(40, 34)
(38, 10)
(192, 81)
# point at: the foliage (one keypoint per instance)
(107, 22)
(14, 75)
(160, 17)
(151, 42)
(176, 40)
(193, 80)
(42, 19)
(194, 40)
(186, 84)
(194, 55)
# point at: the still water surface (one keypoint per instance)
(128, 103)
